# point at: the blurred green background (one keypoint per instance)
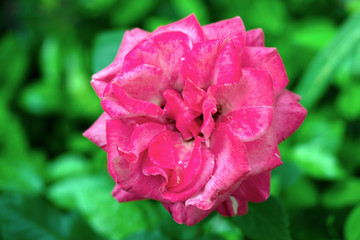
(53, 181)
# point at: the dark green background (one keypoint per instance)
(53, 181)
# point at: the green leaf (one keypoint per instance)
(319, 74)
(265, 220)
(32, 218)
(221, 226)
(105, 48)
(342, 194)
(302, 194)
(91, 196)
(352, 230)
(187, 7)
(349, 95)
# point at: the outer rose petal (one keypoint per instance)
(255, 38)
(101, 78)
(118, 104)
(144, 82)
(123, 196)
(189, 25)
(230, 167)
(289, 114)
(233, 206)
(97, 132)
(165, 51)
(269, 156)
(266, 59)
(227, 29)
(189, 215)
(255, 188)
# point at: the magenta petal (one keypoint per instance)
(189, 215)
(269, 156)
(266, 59)
(123, 196)
(198, 64)
(289, 114)
(118, 104)
(227, 29)
(255, 38)
(117, 134)
(189, 25)
(255, 188)
(227, 67)
(186, 122)
(233, 206)
(230, 167)
(197, 169)
(193, 96)
(250, 123)
(165, 51)
(209, 108)
(97, 132)
(144, 82)
(130, 39)
(254, 89)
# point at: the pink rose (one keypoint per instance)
(193, 116)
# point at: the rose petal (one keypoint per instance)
(123, 196)
(230, 167)
(266, 59)
(227, 67)
(255, 38)
(198, 64)
(118, 104)
(189, 215)
(255, 188)
(97, 132)
(103, 77)
(289, 114)
(189, 25)
(165, 51)
(197, 169)
(144, 82)
(193, 96)
(268, 157)
(209, 108)
(184, 117)
(227, 29)
(233, 206)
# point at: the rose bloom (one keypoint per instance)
(193, 116)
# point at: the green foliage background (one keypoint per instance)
(53, 181)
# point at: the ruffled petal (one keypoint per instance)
(123, 196)
(246, 106)
(185, 119)
(196, 171)
(233, 29)
(263, 154)
(97, 132)
(266, 59)
(255, 188)
(193, 96)
(198, 64)
(189, 25)
(144, 82)
(189, 215)
(118, 104)
(165, 51)
(230, 167)
(289, 114)
(103, 77)
(209, 109)
(255, 38)
(233, 206)
(227, 68)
